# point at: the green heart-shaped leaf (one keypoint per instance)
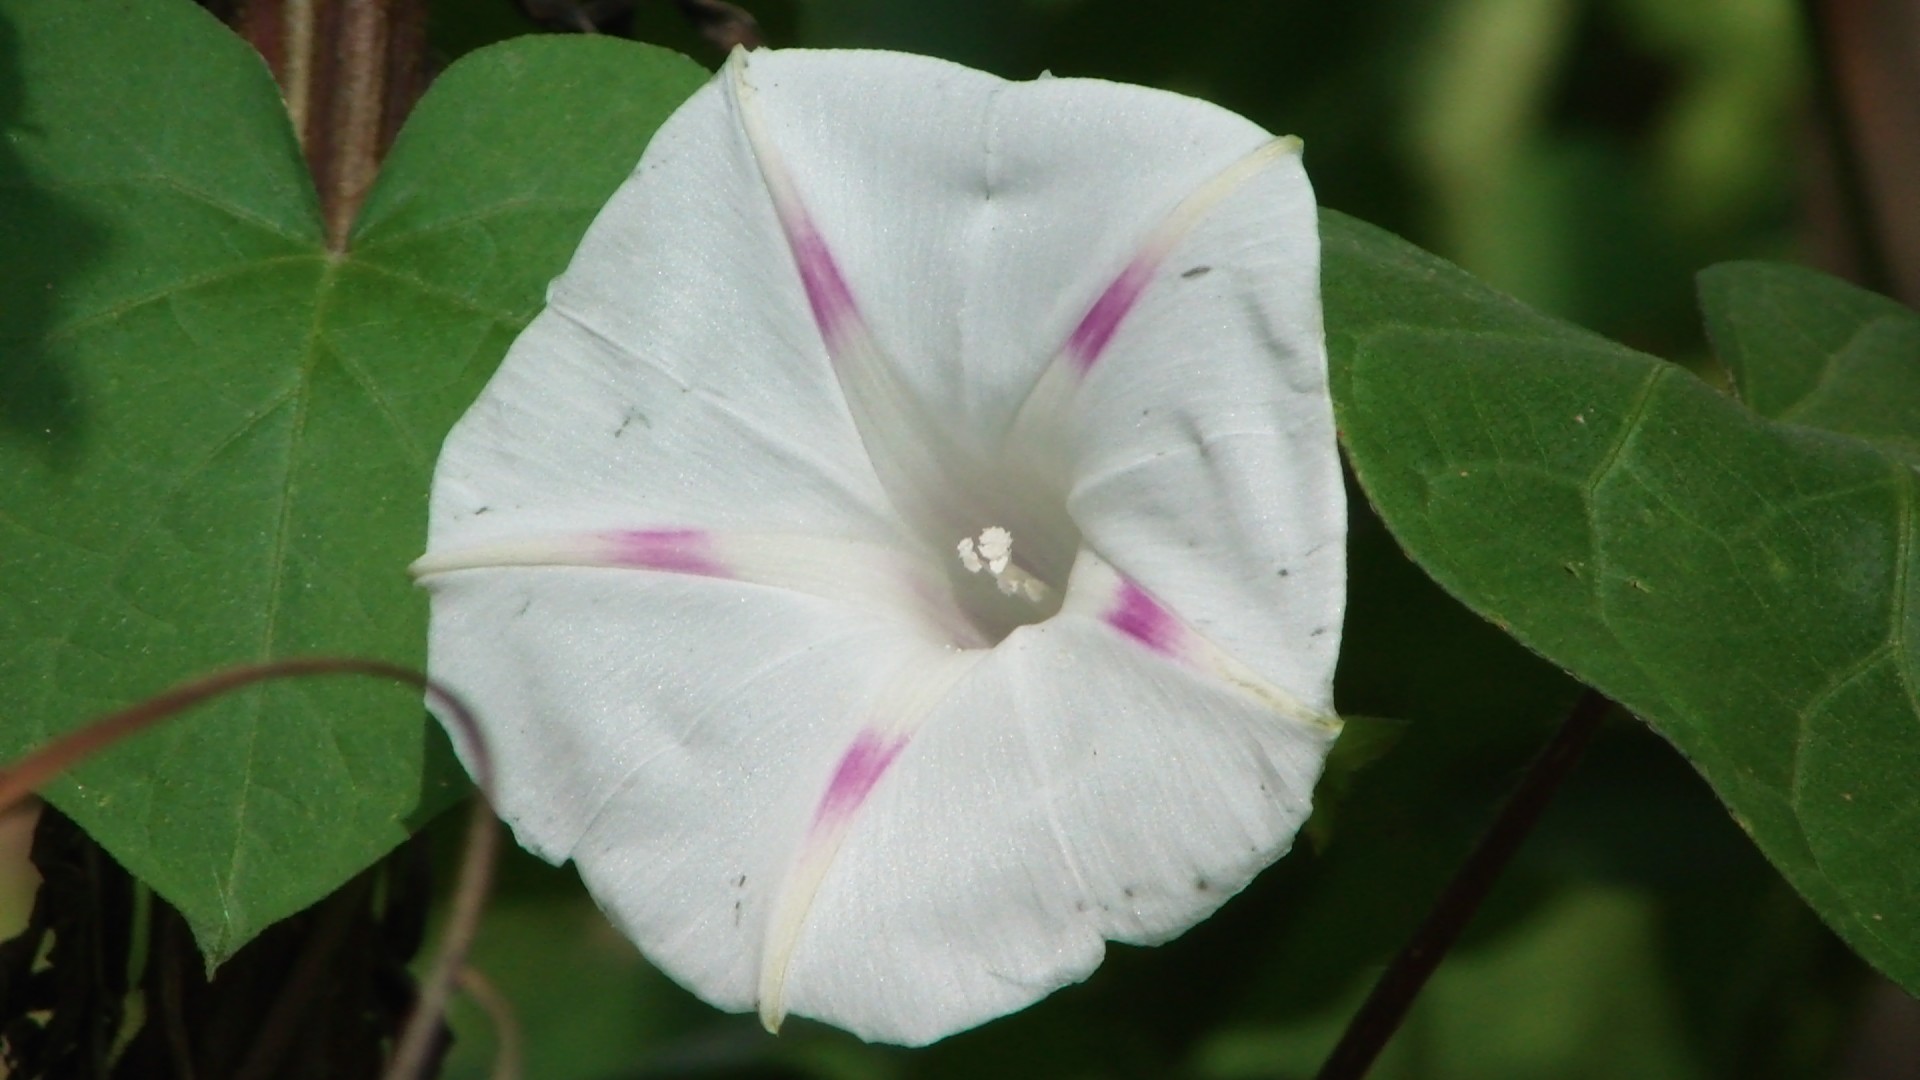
(216, 437)
(1746, 586)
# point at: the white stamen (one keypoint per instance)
(968, 558)
(996, 546)
(992, 553)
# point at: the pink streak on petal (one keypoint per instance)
(679, 551)
(861, 767)
(827, 292)
(1141, 618)
(1090, 338)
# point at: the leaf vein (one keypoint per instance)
(1902, 586)
(364, 380)
(1636, 414)
(301, 395)
(1829, 370)
(84, 323)
(238, 214)
(527, 202)
(440, 293)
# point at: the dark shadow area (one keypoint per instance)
(46, 243)
(315, 996)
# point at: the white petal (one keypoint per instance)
(1100, 592)
(672, 734)
(1204, 460)
(976, 220)
(924, 474)
(1075, 788)
(881, 581)
(676, 379)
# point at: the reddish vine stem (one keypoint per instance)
(470, 891)
(728, 26)
(349, 70)
(475, 879)
(506, 1027)
(1386, 1007)
(1854, 199)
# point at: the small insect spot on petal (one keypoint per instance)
(632, 417)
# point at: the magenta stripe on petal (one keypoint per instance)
(827, 291)
(1090, 338)
(861, 767)
(1141, 618)
(679, 551)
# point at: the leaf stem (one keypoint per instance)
(728, 26)
(1386, 1007)
(1831, 30)
(508, 1055)
(349, 70)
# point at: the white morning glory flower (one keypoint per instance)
(907, 552)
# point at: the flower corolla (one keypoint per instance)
(907, 552)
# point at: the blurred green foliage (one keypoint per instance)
(1587, 156)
